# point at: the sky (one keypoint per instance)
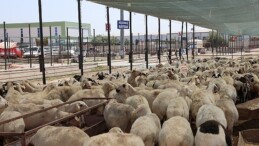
(23, 11)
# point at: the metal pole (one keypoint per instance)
(67, 47)
(212, 45)
(180, 49)
(130, 53)
(138, 47)
(151, 45)
(50, 44)
(186, 40)
(30, 44)
(5, 56)
(80, 38)
(159, 41)
(122, 36)
(69, 40)
(59, 44)
(242, 49)
(170, 41)
(109, 41)
(193, 40)
(232, 47)
(41, 44)
(94, 43)
(146, 52)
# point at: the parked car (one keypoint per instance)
(35, 52)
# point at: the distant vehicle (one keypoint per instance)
(55, 51)
(12, 51)
(198, 45)
(35, 52)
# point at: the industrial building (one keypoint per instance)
(19, 32)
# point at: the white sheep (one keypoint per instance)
(210, 112)
(176, 131)
(147, 127)
(230, 111)
(17, 126)
(161, 102)
(136, 100)
(211, 133)
(3, 104)
(201, 97)
(59, 136)
(118, 115)
(90, 93)
(115, 130)
(37, 119)
(177, 107)
(114, 139)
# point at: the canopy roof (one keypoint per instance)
(235, 17)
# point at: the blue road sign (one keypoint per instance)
(122, 24)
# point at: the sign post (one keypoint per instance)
(122, 24)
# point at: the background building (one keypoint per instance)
(19, 32)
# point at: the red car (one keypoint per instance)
(11, 51)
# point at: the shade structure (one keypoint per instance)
(236, 17)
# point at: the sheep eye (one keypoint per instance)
(123, 85)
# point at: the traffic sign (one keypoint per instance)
(122, 24)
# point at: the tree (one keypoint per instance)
(126, 42)
(215, 40)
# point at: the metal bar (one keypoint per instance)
(146, 52)
(94, 43)
(41, 44)
(159, 41)
(243, 39)
(232, 46)
(50, 44)
(187, 41)
(109, 41)
(180, 49)
(131, 43)
(193, 40)
(59, 43)
(5, 56)
(170, 41)
(122, 36)
(67, 48)
(80, 38)
(30, 45)
(212, 43)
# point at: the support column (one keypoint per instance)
(170, 41)
(180, 49)
(109, 41)
(130, 53)
(146, 50)
(159, 41)
(193, 40)
(41, 58)
(186, 51)
(81, 67)
(30, 44)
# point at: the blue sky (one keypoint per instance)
(22, 11)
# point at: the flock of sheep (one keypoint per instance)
(182, 104)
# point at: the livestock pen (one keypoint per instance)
(92, 124)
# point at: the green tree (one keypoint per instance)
(126, 42)
(215, 40)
